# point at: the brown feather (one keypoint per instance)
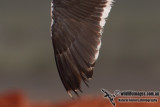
(76, 34)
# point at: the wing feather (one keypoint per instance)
(76, 35)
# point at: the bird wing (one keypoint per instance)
(76, 35)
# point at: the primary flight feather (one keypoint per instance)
(77, 27)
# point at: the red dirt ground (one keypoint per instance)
(18, 99)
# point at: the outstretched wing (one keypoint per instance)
(76, 35)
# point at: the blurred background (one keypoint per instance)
(129, 57)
